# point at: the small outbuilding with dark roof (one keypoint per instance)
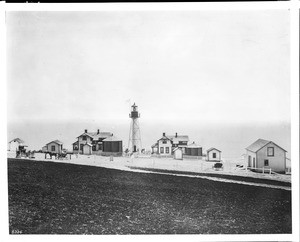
(266, 154)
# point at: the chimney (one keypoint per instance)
(85, 131)
(164, 134)
(175, 135)
(98, 131)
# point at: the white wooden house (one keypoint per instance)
(166, 145)
(14, 144)
(265, 154)
(95, 139)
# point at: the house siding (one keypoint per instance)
(210, 155)
(252, 155)
(277, 162)
(58, 148)
(164, 146)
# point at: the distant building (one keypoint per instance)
(193, 150)
(266, 154)
(14, 144)
(55, 146)
(93, 139)
(112, 146)
(167, 143)
(213, 154)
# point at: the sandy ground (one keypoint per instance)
(190, 165)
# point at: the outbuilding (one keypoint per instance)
(213, 154)
(87, 149)
(265, 154)
(112, 146)
(193, 150)
(55, 146)
(178, 153)
(14, 144)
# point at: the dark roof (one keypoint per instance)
(155, 145)
(210, 149)
(96, 135)
(17, 140)
(55, 141)
(260, 143)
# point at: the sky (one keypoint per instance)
(188, 71)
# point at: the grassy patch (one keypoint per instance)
(47, 198)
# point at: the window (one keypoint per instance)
(266, 163)
(161, 150)
(167, 150)
(164, 141)
(81, 146)
(84, 137)
(75, 147)
(52, 147)
(94, 147)
(214, 155)
(270, 151)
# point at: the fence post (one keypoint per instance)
(270, 171)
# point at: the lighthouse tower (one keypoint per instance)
(135, 143)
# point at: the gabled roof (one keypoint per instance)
(55, 141)
(17, 140)
(165, 137)
(96, 135)
(112, 138)
(260, 143)
(210, 149)
(87, 144)
(193, 145)
(178, 138)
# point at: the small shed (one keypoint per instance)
(193, 150)
(178, 153)
(87, 149)
(213, 154)
(55, 146)
(14, 144)
(112, 146)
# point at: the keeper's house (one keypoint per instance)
(266, 154)
(90, 142)
(166, 145)
(54, 146)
